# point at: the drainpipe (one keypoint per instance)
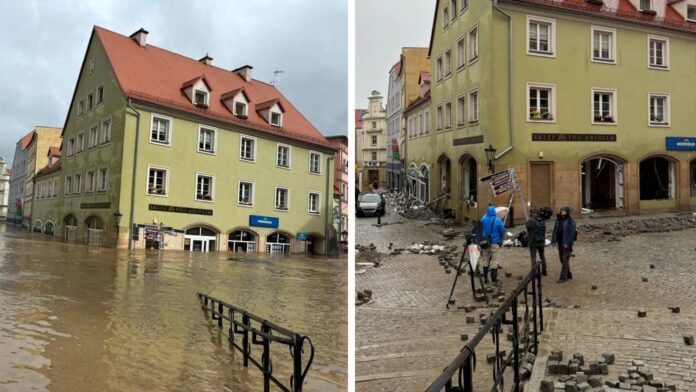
(135, 170)
(511, 126)
(329, 197)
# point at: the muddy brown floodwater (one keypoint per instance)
(74, 318)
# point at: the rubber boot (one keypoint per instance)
(494, 275)
(485, 274)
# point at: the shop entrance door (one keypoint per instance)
(540, 185)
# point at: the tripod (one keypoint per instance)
(471, 239)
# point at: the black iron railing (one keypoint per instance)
(459, 375)
(257, 331)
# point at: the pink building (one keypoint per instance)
(340, 143)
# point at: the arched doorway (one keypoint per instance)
(94, 230)
(278, 243)
(200, 239)
(424, 184)
(242, 241)
(468, 185)
(38, 226)
(70, 223)
(602, 183)
(412, 176)
(445, 174)
(658, 178)
(49, 227)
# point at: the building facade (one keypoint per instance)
(374, 145)
(189, 156)
(417, 152)
(358, 148)
(5, 174)
(341, 160)
(24, 166)
(566, 113)
(394, 126)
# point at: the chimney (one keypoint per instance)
(244, 71)
(207, 60)
(140, 36)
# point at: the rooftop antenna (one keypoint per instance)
(275, 76)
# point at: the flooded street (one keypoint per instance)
(92, 319)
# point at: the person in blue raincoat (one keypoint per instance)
(491, 230)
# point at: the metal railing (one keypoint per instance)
(257, 331)
(458, 376)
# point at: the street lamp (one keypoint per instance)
(117, 216)
(490, 156)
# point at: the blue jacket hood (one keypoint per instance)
(490, 211)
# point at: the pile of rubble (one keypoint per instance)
(613, 231)
(638, 375)
(366, 256)
(432, 248)
(409, 207)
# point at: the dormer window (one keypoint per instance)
(201, 98)
(645, 5)
(691, 13)
(240, 109)
(276, 119)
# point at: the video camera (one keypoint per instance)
(546, 213)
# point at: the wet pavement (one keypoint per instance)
(93, 319)
(405, 336)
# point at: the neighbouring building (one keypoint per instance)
(5, 174)
(359, 137)
(403, 89)
(163, 151)
(417, 137)
(341, 160)
(25, 164)
(373, 145)
(603, 123)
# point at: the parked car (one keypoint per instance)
(371, 204)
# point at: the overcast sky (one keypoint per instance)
(382, 28)
(42, 44)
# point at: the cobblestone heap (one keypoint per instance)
(613, 231)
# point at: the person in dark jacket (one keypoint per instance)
(536, 234)
(564, 233)
(491, 228)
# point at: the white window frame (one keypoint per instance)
(90, 104)
(439, 117)
(474, 115)
(612, 48)
(473, 46)
(90, 183)
(687, 12)
(447, 117)
(245, 112)
(166, 180)
(206, 97)
(445, 17)
(256, 143)
(462, 111)
(665, 52)
(667, 110)
(552, 102)
(80, 146)
(278, 146)
(552, 36)
(201, 127)
(81, 107)
(461, 52)
(170, 132)
(280, 118)
(439, 68)
(251, 194)
(287, 197)
(454, 12)
(448, 62)
(309, 203)
(103, 186)
(104, 134)
(77, 183)
(426, 120)
(94, 142)
(68, 186)
(650, 5)
(374, 140)
(96, 95)
(212, 187)
(614, 105)
(373, 155)
(311, 152)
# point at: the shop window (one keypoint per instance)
(657, 179)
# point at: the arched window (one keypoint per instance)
(241, 241)
(278, 243)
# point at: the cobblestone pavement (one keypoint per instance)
(405, 336)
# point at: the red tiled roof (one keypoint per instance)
(232, 94)
(54, 152)
(26, 140)
(665, 14)
(46, 170)
(154, 75)
(194, 81)
(269, 104)
(397, 69)
(417, 102)
(359, 113)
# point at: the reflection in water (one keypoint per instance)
(78, 318)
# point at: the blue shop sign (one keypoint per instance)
(264, 221)
(681, 143)
(302, 236)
